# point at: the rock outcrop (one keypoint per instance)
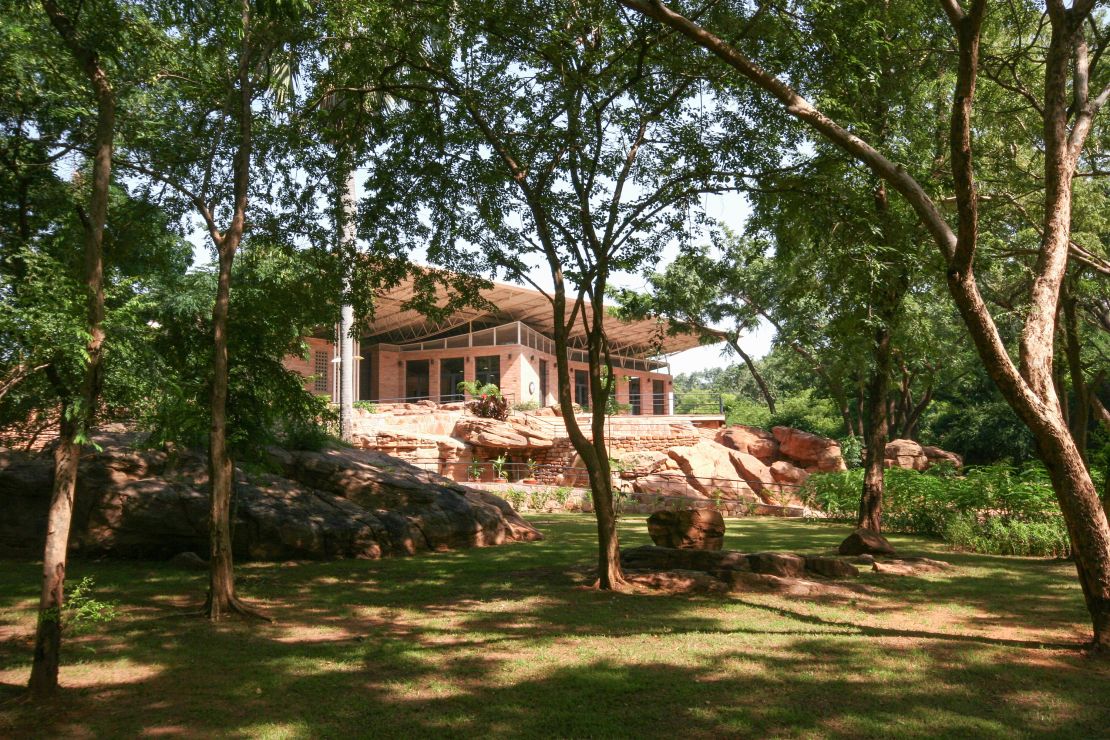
(865, 541)
(688, 529)
(323, 505)
(908, 454)
(709, 468)
(811, 452)
(758, 443)
(761, 569)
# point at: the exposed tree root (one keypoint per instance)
(235, 605)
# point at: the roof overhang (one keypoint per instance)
(393, 323)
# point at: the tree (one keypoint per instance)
(1068, 110)
(572, 155)
(78, 410)
(199, 138)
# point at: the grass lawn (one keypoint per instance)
(500, 641)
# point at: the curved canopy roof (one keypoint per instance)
(395, 324)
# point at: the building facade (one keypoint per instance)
(509, 346)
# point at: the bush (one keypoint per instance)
(488, 401)
(994, 509)
(368, 406)
(810, 414)
(526, 406)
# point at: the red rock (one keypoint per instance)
(784, 565)
(830, 567)
(666, 483)
(709, 468)
(937, 455)
(866, 541)
(905, 453)
(753, 441)
(752, 470)
(810, 451)
(690, 529)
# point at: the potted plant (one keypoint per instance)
(474, 471)
(532, 464)
(499, 470)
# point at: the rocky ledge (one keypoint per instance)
(336, 503)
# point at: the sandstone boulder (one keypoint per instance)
(652, 557)
(641, 462)
(866, 541)
(332, 504)
(788, 474)
(517, 434)
(676, 581)
(905, 453)
(937, 455)
(781, 564)
(689, 529)
(709, 468)
(753, 441)
(830, 567)
(810, 451)
(666, 483)
(751, 469)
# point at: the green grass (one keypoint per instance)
(502, 641)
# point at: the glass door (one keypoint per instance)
(450, 375)
(416, 380)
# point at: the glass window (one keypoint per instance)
(488, 370)
(582, 388)
(320, 370)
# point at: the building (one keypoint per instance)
(405, 356)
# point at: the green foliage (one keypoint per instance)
(526, 406)
(997, 509)
(851, 448)
(278, 299)
(83, 611)
(809, 413)
(516, 497)
(500, 464)
(1003, 536)
(740, 410)
(474, 470)
(488, 402)
(537, 499)
(368, 406)
(561, 495)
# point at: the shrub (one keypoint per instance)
(83, 611)
(516, 497)
(488, 401)
(368, 406)
(561, 495)
(538, 499)
(526, 406)
(851, 449)
(994, 509)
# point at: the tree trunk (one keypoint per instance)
(1086, 519)
(871, 499)
(1081, 416)
(346, 312)
(609, 573)
(48, 634)
(764, 390)
(221, 583)
(222, 598)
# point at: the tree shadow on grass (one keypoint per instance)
(499, 641)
